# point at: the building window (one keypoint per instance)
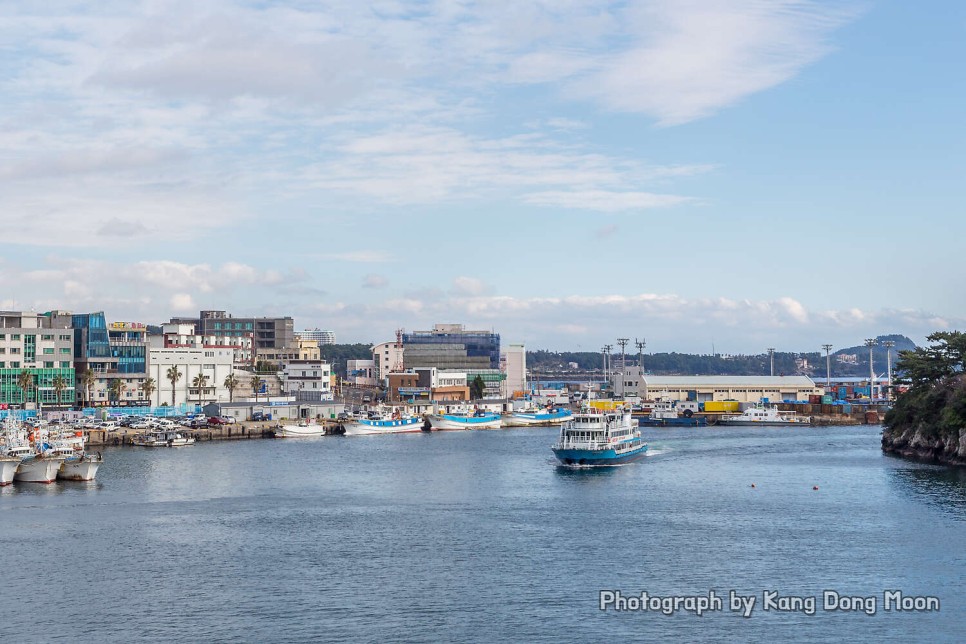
(65, 337)
(65, 349)
(49, 351)
(14, 349)
(65, 365)
(46, 337)
(15, 336)
(48, 365)
(14, 365)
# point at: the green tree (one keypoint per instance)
(114, 390)
(477, 387)
(60, 384)
(200, 382)
(935, 402)
(87, 381)
(173, 375)
(25, 381)
(148, 387)
(231, 384)
(256, 385)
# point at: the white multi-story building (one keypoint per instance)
(387, 357)
(319, 335)
(514, 365)
(214, 364)
(361, 373)
(182, 335)
(306, 378)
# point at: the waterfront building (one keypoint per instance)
(296, 350)
(117, 354)
(741, 388)
(513, 363)
(43, 346)
(319, 335)
(214, 364)
(267, 333)
(361, 373)
(388, 357)
(307, 380)
(451, 346)
(183, 335)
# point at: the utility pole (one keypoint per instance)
(623, 342)
(640, 344)
(607, 348)
(771, 359)
(871, 343)
(888, 344)
(828, 366)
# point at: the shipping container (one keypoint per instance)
(721, 405)
(826, 400)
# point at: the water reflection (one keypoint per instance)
(941, 486)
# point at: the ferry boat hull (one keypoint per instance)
(82, 469)
(8, 468)
(372, 427)
(681, 421)
(38, 470)
(299, 431)
(598, 457)
(449, 421)
(536, 419)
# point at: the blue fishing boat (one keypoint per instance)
(546, 416)
(595, 438)
(478, 419)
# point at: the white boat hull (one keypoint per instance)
(8, 468)
(514, 420)
(299, 431)
(38, 470)
(442, 423)
(355, 428)
(80, 470)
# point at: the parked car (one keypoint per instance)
(215, 421)
(260, 416)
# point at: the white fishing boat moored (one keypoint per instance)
(302, 430)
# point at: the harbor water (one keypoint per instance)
(479, 536)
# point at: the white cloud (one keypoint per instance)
(182, 303)
(373, 280)
(471, 286)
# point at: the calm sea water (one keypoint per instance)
(477, 536)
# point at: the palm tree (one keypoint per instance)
(256, 385)
(200, 381)
(114, 390)
(88, 380)
(25, 380)
(60, 384)
(231, 384)
(174, 376)
(148, 387)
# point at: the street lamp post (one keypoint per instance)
(623, 342)
(871, 343)
(888, 345)
(828, 366)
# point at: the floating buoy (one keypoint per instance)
(752, 485)
(814, 487)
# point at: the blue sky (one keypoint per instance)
(742, 173)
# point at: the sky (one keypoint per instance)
(703, 175)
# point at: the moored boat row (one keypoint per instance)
(37, 455)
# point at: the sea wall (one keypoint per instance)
(913, 442)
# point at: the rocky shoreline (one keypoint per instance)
(914, 443)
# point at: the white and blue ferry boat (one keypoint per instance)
(599, 438)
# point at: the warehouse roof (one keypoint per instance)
(652, 381)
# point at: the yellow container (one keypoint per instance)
(721, 405)
(606, 405)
